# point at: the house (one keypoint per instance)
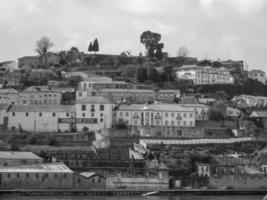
(11, 79)
(32, 61)
(8, 66)
(96, 180)
(261, 115)
(258, 75)
(17, 158)
(169, 115)
(41, 118)
(93, 113)
(8, 96)
(201, 110)
(204, 75)
(203, 170)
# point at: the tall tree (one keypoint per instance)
(95, 46)
(183, 52)
(151, 42)
(90, 47)
(42, 47)
(158, 53)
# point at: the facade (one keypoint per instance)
(8, 66)
(8, 96)
(32, 61)
(132, 95)
(39, 95)
(17, 158)
(203, 170)
(258, 75)
(93, 113)
(201, 110)
(168, 115)
(249, 101)
(11, 79)
(204, 75)
(41, 118)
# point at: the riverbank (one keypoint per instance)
(124, 192)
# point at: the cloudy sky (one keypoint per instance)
(224, 29)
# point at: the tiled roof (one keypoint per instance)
(42, 108)
(157, 107)
(4, 91)
(18, 155)
(39, 168)
(94, 100)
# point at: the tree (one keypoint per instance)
(95, 46)
(151, 42)
(183, 52)
(141, 74)
(73, 55)
(152, 74)
(90, 47)
(215, 115)
(43, 46)
(158, 53)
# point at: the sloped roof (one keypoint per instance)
(94, 100)
(42, 108)
(157, 107)
(39, 168)
(18, 155)
(90, 174)
(259, 113)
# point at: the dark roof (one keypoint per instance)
(42, 108)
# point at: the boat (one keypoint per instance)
(150, 193)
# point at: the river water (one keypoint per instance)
(185, 197)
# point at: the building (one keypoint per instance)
(93, 113)
(8, 66)
(8, 96)
(11, 79)
(17, 158)
(41, 118)
(201, 110)
(204, 75)
(32, 61)
(203, 170)
(258, 75)
(3, 115)
(132, 95)
(249, 101)
(168, 115)
(40, 95)
(74, 74)
(50, 59)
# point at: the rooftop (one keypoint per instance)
(257, 71)
(18, 155)
(94, 100)
(89, 174)
(10, 90)
(39, 168)
(259, 113)
(42, 108)
(42, 88)
(157, 107)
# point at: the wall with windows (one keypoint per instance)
(93, 116)
(38, 121)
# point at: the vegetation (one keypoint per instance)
(43, 46)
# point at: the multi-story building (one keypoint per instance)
(41, 118)
(8, 96)
(16, 158)
(39, 95)
(133, 95)
(204, 75)
(168, 115)
(250, 101)
(258, 75)
(93, 113)
(201, 110)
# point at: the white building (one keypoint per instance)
(258, 75)
(40, 118)
(8, 66)
(168, 115)
(93, 113)
(204, 75)
(250, 101)
(8, 96)
(201, 110)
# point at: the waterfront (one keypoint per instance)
(185, 197)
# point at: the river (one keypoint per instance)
(185, 197)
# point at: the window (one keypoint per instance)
(54, 114)
(121, 114)
(92, 114)
(26, 114)
(166, 115)
(13, 114)
(101, 107)
(67, 114)
(172, 123)
(83, 107)
(185, 115)
(191, 123)
(172, 114)
(184, 123)
(36, 175)
(80, 94)
(101, 114)
(8, 175)
(99, 180)
(17, 175)
(83, 114)
(126, 114)
(40, 114)
(92, 108)
(65, 175)
(101, 120)
(55, 175)
(27, 175)
(166, 123)
(191, 115)
(93, 180)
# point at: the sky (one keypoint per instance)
(212, 29)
